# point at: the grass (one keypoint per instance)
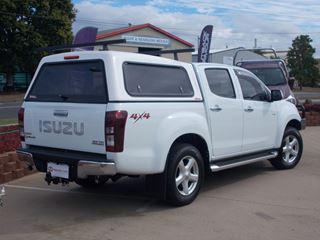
(8, 121)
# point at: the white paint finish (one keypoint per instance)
(287, 112)
(259, 126)
(147, 141)
(91, 115)
(226, 124)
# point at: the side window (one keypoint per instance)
(251, 88)
(220, 82)
(156, 80)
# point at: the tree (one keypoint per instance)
(301, 61)
(27, 25)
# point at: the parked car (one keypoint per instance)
(273, 72)
(94, 115)
(274, 75)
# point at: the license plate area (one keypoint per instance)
(58, 170)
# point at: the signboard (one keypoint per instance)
(146, 40)
(204, 46)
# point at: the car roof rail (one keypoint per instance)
(174, 51)
(255, 50)
(104, 44)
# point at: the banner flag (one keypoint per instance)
(204, 45)
(86, 35)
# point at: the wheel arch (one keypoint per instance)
(294, 123)
(197, 141)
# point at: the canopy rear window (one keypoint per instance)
(79, 82)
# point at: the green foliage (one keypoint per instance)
(301, 61)
(29, 24)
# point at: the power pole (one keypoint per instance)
(255, 43)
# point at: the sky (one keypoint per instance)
(273, 23)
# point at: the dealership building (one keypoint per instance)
(146, 38)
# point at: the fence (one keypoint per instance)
(21, 80)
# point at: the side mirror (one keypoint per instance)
(276, 95)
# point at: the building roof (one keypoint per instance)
(117, 31)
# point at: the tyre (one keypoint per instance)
(290, 151)
(185, 174)
(92, 181)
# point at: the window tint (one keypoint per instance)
(70, 82)
(252, 89)
(155, 80)
(220, 82)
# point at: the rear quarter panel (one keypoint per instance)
(148, 139)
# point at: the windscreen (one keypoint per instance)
(270, 76)
(79, 82)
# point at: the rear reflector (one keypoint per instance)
(21, 124)
(115, 123)
(71, 57)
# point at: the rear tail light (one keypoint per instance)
(115, 123)
(21, 123)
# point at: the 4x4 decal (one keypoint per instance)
(137, 116)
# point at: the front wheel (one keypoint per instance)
(185, 174)
(290, 151)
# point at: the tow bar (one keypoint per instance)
(55, 180)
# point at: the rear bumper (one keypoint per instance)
(81, 164)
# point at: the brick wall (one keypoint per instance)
(9, 138)
(313, 118)
(11, 167)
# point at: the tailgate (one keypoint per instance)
(65, 107)
(67, 126)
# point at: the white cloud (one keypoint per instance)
(272, 22)
(186, 26)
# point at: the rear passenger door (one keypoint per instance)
(260, 116)
(225, 112)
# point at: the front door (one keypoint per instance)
(260, 116)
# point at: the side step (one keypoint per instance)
(242, 160)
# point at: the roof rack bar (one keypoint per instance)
(253, 50)
(79, 45)
(174, 51)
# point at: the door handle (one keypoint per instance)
(249, 109)
(216, 108)
(60, 113)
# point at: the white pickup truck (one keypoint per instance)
(90, 116)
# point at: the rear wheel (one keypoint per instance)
(185, 174)
(290, 151)
(92, 181)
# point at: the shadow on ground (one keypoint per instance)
(48, 211)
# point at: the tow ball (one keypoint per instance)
(55, 180)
